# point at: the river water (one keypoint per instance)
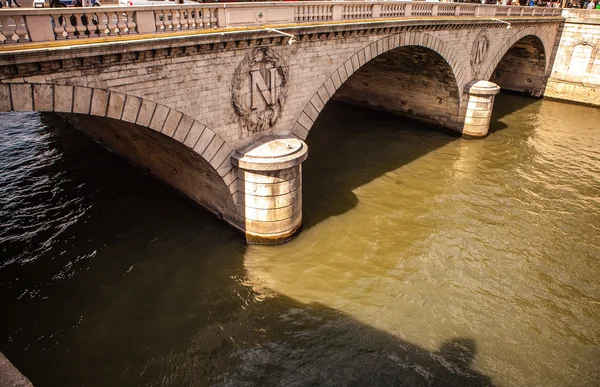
(425, 260)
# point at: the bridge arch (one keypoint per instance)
(522, 62)
(196, 142)
(423, 42)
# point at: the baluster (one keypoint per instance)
(212, 17)
(198, 19)
(188, 19)
(206, 18)
(131, 25)
(21, 30)
(70, 23)
(57, 26)
(8, 31)
(101, 27)
(121, 25)
(177, 20)
(167, 20)
(158, 18)
(81, 25)
(111, 27)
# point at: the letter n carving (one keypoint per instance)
(259, 87)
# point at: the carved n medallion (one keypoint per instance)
(479, 52)
(260, 87)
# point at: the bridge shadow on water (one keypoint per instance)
(141, 289)
(351, 146)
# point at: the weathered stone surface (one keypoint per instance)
(481, 99)
(270, 189)
(575, 75)
(146, 112)
(132, 107)
(63, 99)
(22, 97)
(99, 103)
(10, 376)
(116, 103)
(43, 98)
(82, 100)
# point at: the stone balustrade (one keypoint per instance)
(46, 25)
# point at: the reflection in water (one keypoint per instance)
(426, 259)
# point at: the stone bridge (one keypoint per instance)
(217, 99)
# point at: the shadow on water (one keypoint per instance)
(350, 147)
(505, 104)
(143, 290)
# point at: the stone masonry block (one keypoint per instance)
(311, 112)
(317, 102)
(330, 87)
(160, 116)
(171, 122)
(99, 102)
(43, 98)
(305, 121)
(194, 134)
(300, 131)
(213, 147)
(342, 74)
(116, 103)
(22, 97)
(63, 99)
(324, 94)
(131, 109)
(183, 128)
(355, 63)
(335, 78)
(5, 98)
(82, 100)
(203, 141)
(224, 153)
(145, 113)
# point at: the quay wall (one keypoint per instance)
(575, 75)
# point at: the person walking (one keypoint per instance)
(9, 3)
(591, 5)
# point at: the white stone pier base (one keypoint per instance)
(479, 108)
(270, 189)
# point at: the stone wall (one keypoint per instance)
(197, 76)
(411, 80)
(575, 74)
(523, 68)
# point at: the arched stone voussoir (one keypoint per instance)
(547, 43)
(23, 97)
(327, 89)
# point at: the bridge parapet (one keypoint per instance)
(46, 25)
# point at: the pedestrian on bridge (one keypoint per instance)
(9, 3)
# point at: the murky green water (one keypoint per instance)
(425, 260)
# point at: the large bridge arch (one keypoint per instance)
(193, 151)
(417, 39)
(523, 63)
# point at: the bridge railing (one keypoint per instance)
(46, 25)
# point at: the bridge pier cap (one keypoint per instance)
(270, 189)
(479, 108)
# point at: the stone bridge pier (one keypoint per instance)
(217, 101)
